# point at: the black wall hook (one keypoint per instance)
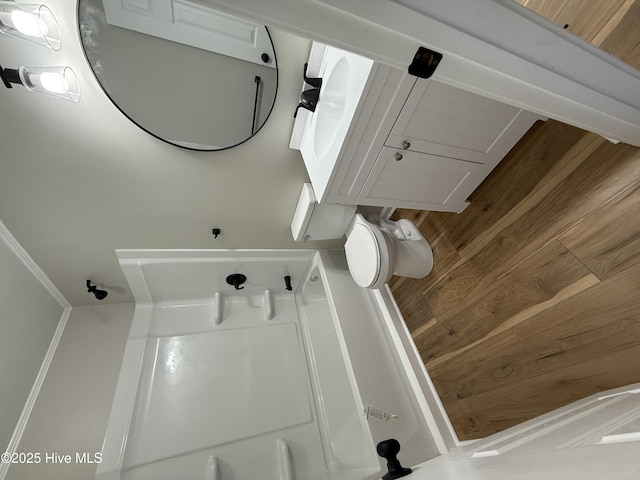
(236, 279)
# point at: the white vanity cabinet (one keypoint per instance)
(444, 143)
(422, 181)
(405, 142)
(446, 121)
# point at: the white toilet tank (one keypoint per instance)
(312, 221)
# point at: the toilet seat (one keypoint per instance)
(374, 251)
(370, 254)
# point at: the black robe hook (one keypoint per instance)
(236, 279)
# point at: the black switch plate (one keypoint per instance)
(424, 63)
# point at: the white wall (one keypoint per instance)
(79, 180)
(74, 403)
(29, 316)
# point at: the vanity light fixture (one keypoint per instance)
(58, 82)
(36, 23)
(32, 22)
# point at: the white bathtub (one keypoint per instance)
(218, 383)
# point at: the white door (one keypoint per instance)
(596, 438)
(193, 24)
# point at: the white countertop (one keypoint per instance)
(322, 161)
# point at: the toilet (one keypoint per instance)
(375, 251)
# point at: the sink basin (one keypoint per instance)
(345, 78)
(330, 109)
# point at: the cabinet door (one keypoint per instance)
(408, 179)
(444, 120)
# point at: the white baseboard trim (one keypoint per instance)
(433, 410)
(21, 253)
(35, 390)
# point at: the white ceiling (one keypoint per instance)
(78, 181)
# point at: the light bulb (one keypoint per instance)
(29, 24)
(54, 82)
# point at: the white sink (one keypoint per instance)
(329, 114)
(320, 136)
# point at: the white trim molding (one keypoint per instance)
(35, 390)
(22, 255)
(35, 270)
(495, 48)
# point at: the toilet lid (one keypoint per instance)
(364, 256)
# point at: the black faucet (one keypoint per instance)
(309, 98)
(313, 82)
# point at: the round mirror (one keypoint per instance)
(185, 73)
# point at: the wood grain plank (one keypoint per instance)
(612, 23)
(482, 310)
(410, 300)
(609, 242)
(597, 322)
(624, 41)
(607, 172)
(496, 363)
(483, 225)
(571, 160)
(503, 407)
(549, 9)
(424, 327)
(513, 179)
(587, 18)
(445, 257)
(516, 319)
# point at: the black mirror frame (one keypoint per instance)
(275, 96)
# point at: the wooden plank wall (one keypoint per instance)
(534, 300)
